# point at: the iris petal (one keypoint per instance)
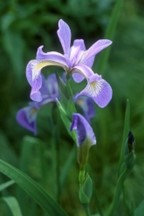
(99, 90)
(26, 117)
(53, 57)
(64, 34)
(83, 71)
(83, 129)
(34, 67)
(87, 106)
(97, 47)
(77, 51)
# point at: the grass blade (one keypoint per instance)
(33, 189)
(13, 205)
(110, 33)
(125, 133)
(6, 184)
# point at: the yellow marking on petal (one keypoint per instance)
(38, 65)
(94, 88)
(33, 111)
(80, 102)
(31, 115)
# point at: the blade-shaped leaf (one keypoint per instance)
(33, 189)
(6, 184)
(140, 209)
(110, 33)
(13, 205)
(125, 133)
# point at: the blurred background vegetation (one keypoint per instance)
(24, 26)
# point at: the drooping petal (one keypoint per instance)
(98, 89)
(64, 34)
(83, 130)
(81, 72)
(35, 80)
(77, 77)
(97, 47)
(52, 58)
(26, 117)
(34, 67)
(87, 106)
(35, 95)
(49, 89)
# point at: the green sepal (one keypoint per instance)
(86, 188)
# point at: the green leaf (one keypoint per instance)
(33, 189)
(66, 120)
(110, 33)
(6, 184)
(66, 167)
(125, 134)
(123, 171)
(139, 211)
(13, 205)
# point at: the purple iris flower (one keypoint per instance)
(26, 117)
(49, 92)
(98, 89)
(83, 129)
(76, 61)
(87, 106)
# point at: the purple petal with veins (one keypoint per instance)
(83, 70)
(97, 47)
(76, 60)
(87, 105)
(64, 34)
(83, 130)
(26, 117)
(98, 89)
(49, 89)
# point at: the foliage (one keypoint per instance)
(24, 25)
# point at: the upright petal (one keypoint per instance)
(64, 34)
(26, 117)
(97, 47)
(77, 51)
(98, 89)
(83, 130)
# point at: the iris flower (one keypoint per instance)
(75, 60)
(26, 117)
(87, 106)
(83, 130)
(49, 92)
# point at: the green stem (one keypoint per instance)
(87, 210)
(56, 152)
(58, 171)
(98, 206)
(118, 191)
